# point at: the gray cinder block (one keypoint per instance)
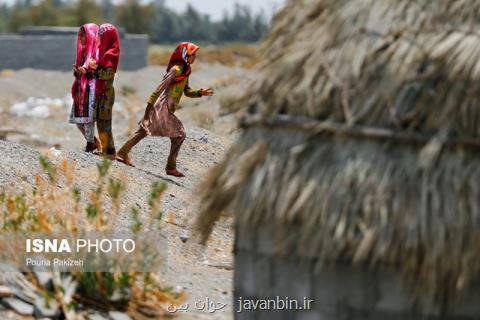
(57, 52)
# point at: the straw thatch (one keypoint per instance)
(361, 139)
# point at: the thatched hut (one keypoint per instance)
(356, 181)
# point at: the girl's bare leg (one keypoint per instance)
(122, 154)
(176, 143)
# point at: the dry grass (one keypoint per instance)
(230, 91)
(5, 104)
(6, 73)
(237, 54)
(159, 55)
(44, 211)
(228, 98)
(202, 118)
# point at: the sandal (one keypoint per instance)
(90, 148)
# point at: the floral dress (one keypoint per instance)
(103, 109)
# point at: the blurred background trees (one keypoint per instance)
(153, 18)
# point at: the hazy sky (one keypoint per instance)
(215, 8)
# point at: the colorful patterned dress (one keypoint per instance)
(84, 86)
(103, 109)
(108, 60)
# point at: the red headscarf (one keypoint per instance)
(109, 50)
(84, 54)
(108, 54)
(180, 58)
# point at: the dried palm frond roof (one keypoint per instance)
(363, 132)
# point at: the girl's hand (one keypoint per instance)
(206, 92)
(92, 64)
(82, 70)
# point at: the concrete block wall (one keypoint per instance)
(57, 52)
(339, 292)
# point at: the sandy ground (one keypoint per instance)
(203, 272)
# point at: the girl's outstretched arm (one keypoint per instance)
(197, 93)
(189, 92)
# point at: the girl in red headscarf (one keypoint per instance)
(83, 88)
(106, 67)
(159, 118)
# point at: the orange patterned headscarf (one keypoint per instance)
(180, 58)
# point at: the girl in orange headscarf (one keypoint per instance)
(159, 118)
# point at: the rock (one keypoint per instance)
(224, 266)
(44, 278)
(6, 292)
(54, 152)
(119, 296)
(8, 268)
(204, 138)
(44, 309)
(184, 238)
(33, 107)
(13, 288)
(177, 290)
(19, 306)
(69, 287)
(115, 315)
(96, 316)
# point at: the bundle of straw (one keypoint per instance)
(361, 139)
